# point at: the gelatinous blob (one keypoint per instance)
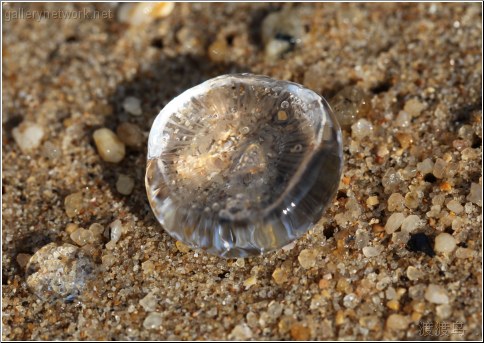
(243, 164)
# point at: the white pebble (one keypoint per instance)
(397, 322)
(426, 166)
(396, 202)
(307, 258)
(149, 302)
(400, 237)
(28, 135)
(361, 238)
(362, 128)
(124, 184)
(403, 119)
(108, 145)
(116, 230)
(439, 168)
(414, 107)
(81, 236)
(444, 311)
(132, 105)
(413, 273)
(436, 294)
(394, 222)
(153, 321)
(371, 251)
(350, 300)
(455, 206)
(411, 223)
(475, 195)
(145, 12)
(241, 332)
(444, 243)
(108, 260)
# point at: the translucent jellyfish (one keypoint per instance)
(243, 164)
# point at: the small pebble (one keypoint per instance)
(240, 262)
(349, 104)
(394, 222)
(51, 151)
(299, 332)
(361, 238)
(400, 237)
(444, 243)
(182, 247)
(405, 139)
(361, 129)
(282, 116)
(426, 166)
(130, 134)
(455, 206)
(81, 236)
(108, 260)
(436, 294)
(412, 200)
(339, 318)
(71, 227)
(307, 258)
(444, 311)
(393, 305)
(397, 322)
(116, 230)
(475, 195)
(132, 105)
(372, 201)
(108, 145)
(97, 231)
(137, 14)
(280, 275)
(148, 267)
(153, 321)
(275, 309)
(124, 184)
(403, 119)
(218, 50)
(371, 251)
(413, 273)
(350, 300)
(241, 332)
(74, 203)
(439, 168)
(464, 253)
(414, 107)
(391, 180)
(149, 302)
(411, 223)
(396, 202)
(28, 136)
(251, 281)
(23, 259)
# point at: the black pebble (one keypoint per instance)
(421, 242)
